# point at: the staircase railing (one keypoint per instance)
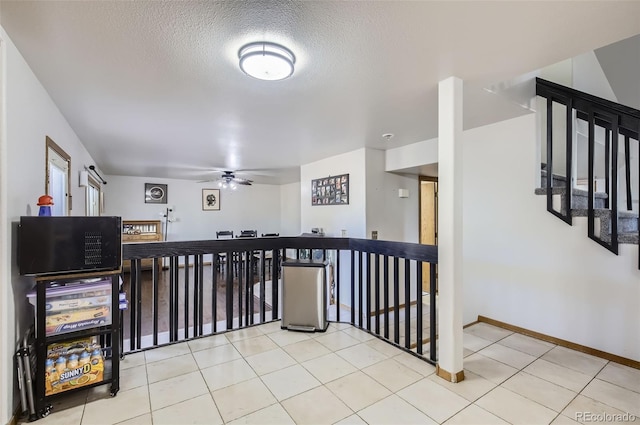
(616, 121)
(376, 287)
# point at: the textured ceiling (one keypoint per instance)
(154, 89)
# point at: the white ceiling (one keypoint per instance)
(154, 89)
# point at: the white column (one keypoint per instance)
(450, 365)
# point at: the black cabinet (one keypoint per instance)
(77, 337)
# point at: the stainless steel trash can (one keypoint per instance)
(304, 295)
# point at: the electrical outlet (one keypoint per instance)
(374, 234)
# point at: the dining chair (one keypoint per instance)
(222, 256)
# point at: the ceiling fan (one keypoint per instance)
(228, 180)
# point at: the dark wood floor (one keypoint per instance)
(208, 310)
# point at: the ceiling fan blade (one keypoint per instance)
(243, 182)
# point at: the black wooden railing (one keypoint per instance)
(615, 121)
(179, 297)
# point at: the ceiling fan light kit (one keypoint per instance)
(266, 61)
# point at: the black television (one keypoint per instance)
(55, 245)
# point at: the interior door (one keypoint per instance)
(428, 221)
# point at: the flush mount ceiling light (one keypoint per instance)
(266, 61)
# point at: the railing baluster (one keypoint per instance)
(377, 294)
(172, 312)
(201, 296)
(360, 295)
(176, 299)
(432, 312)
(263, 298)
(385, 295)
(214, 293)
(627, 168)
(229, 289)
(275, 271)
(186, 296)
(138, 281)
(133, 305)
(368, 290)
(337, 287)
(196, 295)
(155, 300)
(240, 267)
(396, 300)
(407, 305)
(419, 306)
(353, 288)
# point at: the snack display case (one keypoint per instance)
(77, 341)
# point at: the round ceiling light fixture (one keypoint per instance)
(266, 61)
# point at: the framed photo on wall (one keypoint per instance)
(332, 190)
(210, 199)
(155, 193)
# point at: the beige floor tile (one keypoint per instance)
(256, 345)
(284, 338)
(274, 414)
(392, 374)
(233, 402)
(132, 360)
(488, 332)
(613, 395)
(473, 342)
(539, 390)
(560, 375)
(291, 381)
(623, 376)
(227, 374)
(394, 411)
(358, 334)
(490, 369)
(199, 410)
(474, 415)
(174, 390)
(384, 347)
(575, 360)
(514, 408)
(316, 406)
(69, 416)
(414, 363)
(434, 400)
(145, 419)
(207, 342)
(506, 355)
(217, 355)
(582, 408)
(270, 361)
(471, 388)
(563, 420)
(133, 378)
(111, 410)
(306, 350)
(329, 367)
(337, 340)
(352, 420)
(271, 327)
(358, 390)
(246, 333)
(361, 355)
(526, 344)
(169, 368)
(166, 352)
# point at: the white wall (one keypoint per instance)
(413, 155)
(255, 207)
(290, 209)
(31, 115)
(395, 218)
(334, 218)
(525, 267)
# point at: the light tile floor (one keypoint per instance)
(264, 375)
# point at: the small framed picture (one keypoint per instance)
(210, 199)
(155, 193)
